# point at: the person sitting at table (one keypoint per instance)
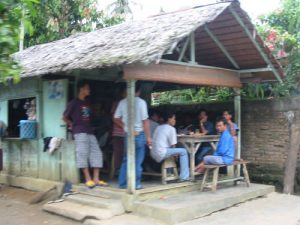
(232, 127)
(164, 141)
(207, 128)
(225, 148)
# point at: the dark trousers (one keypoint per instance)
(118, 150)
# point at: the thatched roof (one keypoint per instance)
(135, 41)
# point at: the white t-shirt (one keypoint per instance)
(164, 137)
(141, 113)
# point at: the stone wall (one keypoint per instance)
(265, 138)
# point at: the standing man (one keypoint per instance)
(225, 149)
(164, 142)
(207, 128)
(78, 118)
(142, 135)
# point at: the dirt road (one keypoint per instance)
(15, 210)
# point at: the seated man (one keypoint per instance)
(225, 149)
(207, 128)
(164, 141)
(232, 127)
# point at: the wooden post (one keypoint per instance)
(192, 48)
(237, 119)
(131, 137)
(291, 161)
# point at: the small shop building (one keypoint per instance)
(213, 45)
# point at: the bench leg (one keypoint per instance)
(175, 170)
(204, 180)
(246, 175)
(215, 179)
(163, 175)
(192, 166)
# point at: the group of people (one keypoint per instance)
(157, 135)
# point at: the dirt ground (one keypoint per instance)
(16, 210)
(275, 209)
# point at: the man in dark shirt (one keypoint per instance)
(78, 118)
(207, 128)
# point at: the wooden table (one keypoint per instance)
(192, 143)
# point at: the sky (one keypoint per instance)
(144, 8)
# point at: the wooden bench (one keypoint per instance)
(215, 178)
(168, 163)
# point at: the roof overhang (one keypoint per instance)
(214, 40)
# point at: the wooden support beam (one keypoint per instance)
(192, 48)
(181, 56)
(131, 137)
(222, 47)
(237, 119)
(250, 36)
(192, 75)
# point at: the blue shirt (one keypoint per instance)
(226, 148)
(209, 126)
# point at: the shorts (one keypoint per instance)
(213, 160)
(88, 152)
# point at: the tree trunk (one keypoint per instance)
(1, 155)
(291, 162)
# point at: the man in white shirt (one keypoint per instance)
(164, 141)
(142, 135)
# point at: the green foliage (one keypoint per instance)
(57, 19)
(281, 32)
(11, 13)
(120, 7)
(192, 95)
(44, 21)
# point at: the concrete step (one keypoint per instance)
(113, 205)
(114, 193)
(187, 206)
(77, 211)
(126, 219)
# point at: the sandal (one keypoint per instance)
(101, 183)
(90, 184)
